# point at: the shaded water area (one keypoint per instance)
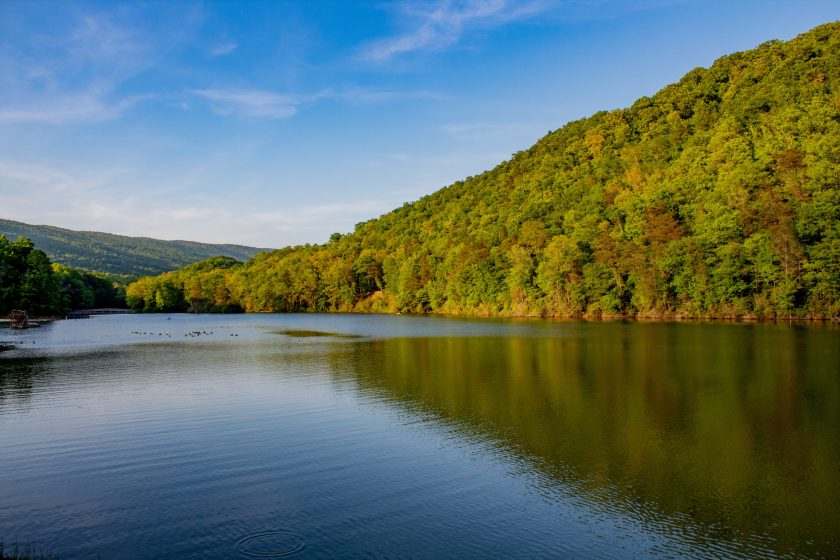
(318, 436)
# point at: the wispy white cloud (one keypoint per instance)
(43, 193)
(434, 26)
(482, 130)
(320, 216)
(250, 103)
(90, 106)
(263, 104)
(16, 174)
(117, 200)
(223, 48)
(382, 95)
(209, 221)
(78, 74)
(98, 38)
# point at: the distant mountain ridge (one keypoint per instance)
(119, 255)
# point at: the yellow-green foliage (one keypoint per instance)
(718, 196)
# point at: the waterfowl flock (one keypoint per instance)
(192, 334)
(150, 333)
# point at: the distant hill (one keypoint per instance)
(119, 255)
(719, 196)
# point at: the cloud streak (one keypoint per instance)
(223, 48)
(83, 200)
(382, 95)
(78, 74)
(69, 108)
(250, 103)
(264, 104)
(214, 223)
(437, 26)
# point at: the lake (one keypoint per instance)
(366, 436)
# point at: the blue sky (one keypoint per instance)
(277, 123)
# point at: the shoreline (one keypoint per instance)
(748, 319)
(558, 318)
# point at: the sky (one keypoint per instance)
(273, 123)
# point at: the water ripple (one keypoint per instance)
(271, 544)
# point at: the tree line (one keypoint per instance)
(717, 197)
(29, 281)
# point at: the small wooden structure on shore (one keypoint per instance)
(19, 319)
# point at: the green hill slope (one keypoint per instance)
(118, 255)
(717, 197)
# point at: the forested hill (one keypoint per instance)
(118, 255)
(717, 197)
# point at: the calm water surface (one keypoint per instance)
(419, 437)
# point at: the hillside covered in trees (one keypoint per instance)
(717, 197)
(117, 255)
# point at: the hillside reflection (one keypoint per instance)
(731, 430)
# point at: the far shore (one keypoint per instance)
(85, 313)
